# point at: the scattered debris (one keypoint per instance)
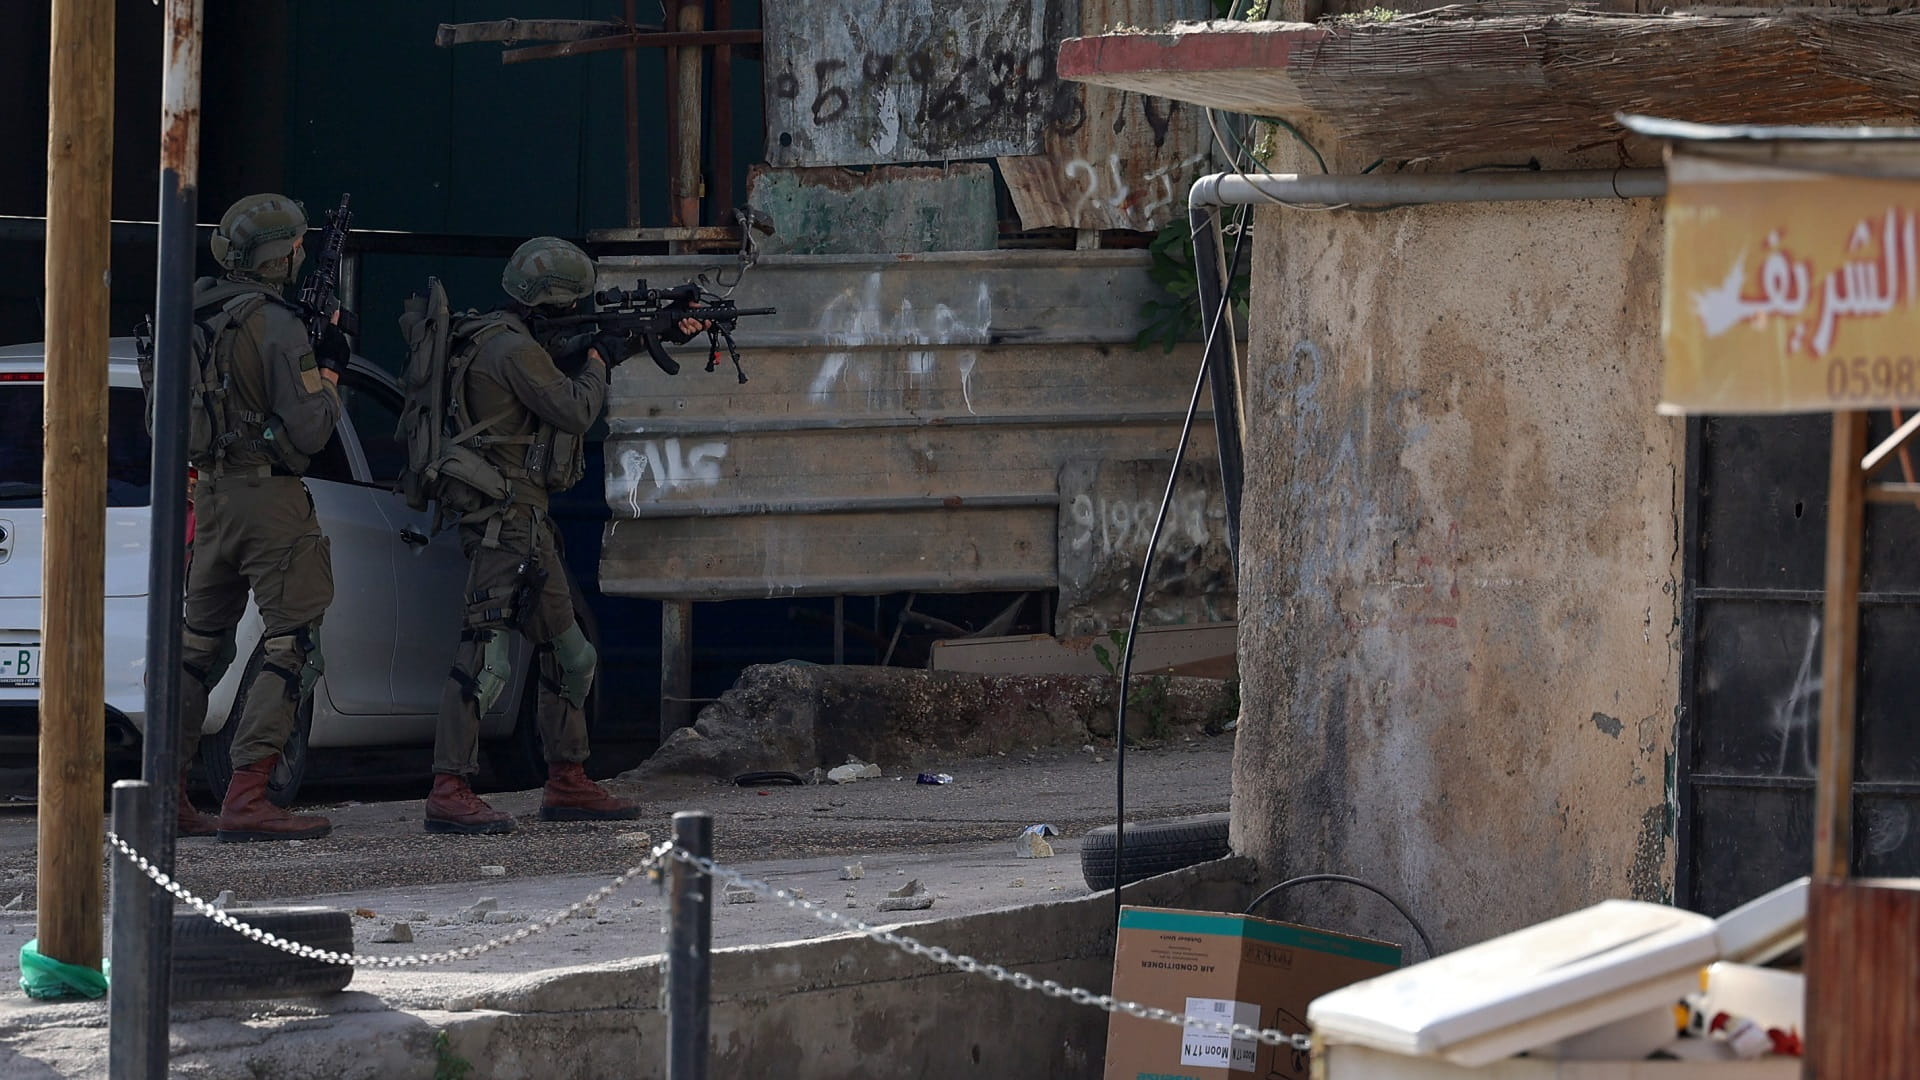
(639, 901)
(634, 839)
(398, 934)
(1087, 749)
(493, 871)
(1098, 760)
(417, 915)
(853, 770)
(225, 900)
(909, 897)
(480, 909)
(363, 913)
(797, 894)
(851, 893)
(853, 871)
(935, 778)
(1032, 842)
(19, 901)
(740, 894)
(853, 903)
(1018, 883)
(588, 912)
(498, 917)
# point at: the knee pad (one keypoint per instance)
(575, 655)
(303, 664)
(487, 683)
(219, 646)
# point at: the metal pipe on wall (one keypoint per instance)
(1216, 190)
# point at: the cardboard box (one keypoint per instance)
(1234, 968)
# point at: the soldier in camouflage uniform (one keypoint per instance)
(254, 521)
(534, 400)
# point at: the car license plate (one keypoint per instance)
(19, 664)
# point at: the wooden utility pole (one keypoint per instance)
(72, 709)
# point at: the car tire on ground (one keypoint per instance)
(1154, 847)
(213, 963)
(216, 748)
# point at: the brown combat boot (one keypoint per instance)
(249, 815)
(188, 820)
(570, 796)
(452, 807)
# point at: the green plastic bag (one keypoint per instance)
(48, 979)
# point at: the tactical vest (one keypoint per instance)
(218, 422)
(468, 475)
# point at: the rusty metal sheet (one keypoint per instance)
(914, 80)
(904, 426)
(893, 208)
(1130, 164)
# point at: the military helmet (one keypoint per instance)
(547, 270)
(257, 230)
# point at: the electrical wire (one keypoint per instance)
(1308, 879)
(1146, 568)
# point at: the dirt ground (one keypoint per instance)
(956, 839)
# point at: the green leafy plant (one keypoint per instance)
(448, 1065)
(1371, 15)
(1176, 316)
(1153, 700)
(1111, 660)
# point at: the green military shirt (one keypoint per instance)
(275, 377)
(513, 378)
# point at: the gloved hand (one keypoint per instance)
(331, 350)
(611, 347)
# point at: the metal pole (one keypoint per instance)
(133, 1052)
(74, 477)
(690, 949)
(676, 666)
(1223, 376)
(167, 560)
(1234, 189)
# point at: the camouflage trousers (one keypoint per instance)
(500, 597)
(253, 534)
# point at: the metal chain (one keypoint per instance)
(661, 852)
(654, 858)
(1020, 979)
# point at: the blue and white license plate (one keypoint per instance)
(19, 664)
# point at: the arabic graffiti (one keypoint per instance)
(1868, 285)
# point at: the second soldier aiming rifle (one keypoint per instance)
(655, 314)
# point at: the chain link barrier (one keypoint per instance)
(265, 937)
(654, 861)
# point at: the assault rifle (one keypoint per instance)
(653, 314)
(320, 294)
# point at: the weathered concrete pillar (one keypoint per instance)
(1459, 565)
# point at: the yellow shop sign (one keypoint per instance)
(1789, 290)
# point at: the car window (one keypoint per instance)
(22, 450)
(375, 413)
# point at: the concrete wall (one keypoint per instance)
(1459, 573)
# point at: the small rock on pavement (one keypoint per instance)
(853, 872)
(740, 894)
(639, 901)
(501, 917)
(480, 909)
(907, 903)
(634, 839)
(493, 871)
(397, 934)
(853, 770)
(911, 888)
(1017, 883)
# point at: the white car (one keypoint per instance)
(388, 638)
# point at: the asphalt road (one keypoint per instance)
(379, 845)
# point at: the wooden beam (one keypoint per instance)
(516, 30)
(688, 128)
(1894, 493)
(72, 706)
(1862, 965)
(646, 40)
(1879, 456)
(1840, 651)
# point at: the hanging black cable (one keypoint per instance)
(1146, 570)
(1308, 879)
